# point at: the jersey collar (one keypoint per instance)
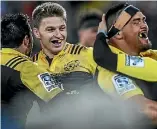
(63, 51)
(115, 50)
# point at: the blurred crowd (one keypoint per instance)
(74, 8)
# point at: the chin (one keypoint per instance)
(146, 47)
(56, 50)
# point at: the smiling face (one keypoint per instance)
(135, 33)
(52, 33)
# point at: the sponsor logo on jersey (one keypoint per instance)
(134, 61)
(123, 84)
(50, 82)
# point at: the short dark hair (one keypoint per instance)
(48, 9)
(14, 27)
(113, 13)
(89, 18)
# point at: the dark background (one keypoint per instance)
(149, 8)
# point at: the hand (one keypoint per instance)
(102, 25)
(150, 109)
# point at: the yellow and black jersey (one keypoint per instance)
(26, 74)
(73, 58)
(110, 58)
(76, 66)
(117, 83)
(136, 66)
(22, 82)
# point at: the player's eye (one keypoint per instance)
(50, 29)
(62, 28)
(136, 22)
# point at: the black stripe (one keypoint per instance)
(12, 60)
(77, 47)
(131, 10)
(96, 77)
(96, 73)
(37, 55)
(33, 58)
(18, 63)
(73, 47)
(80, 50)
(112, 32)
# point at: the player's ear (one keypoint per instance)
(26, 41)
(119, 35)
(36, 33)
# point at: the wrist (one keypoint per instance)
(102, 31)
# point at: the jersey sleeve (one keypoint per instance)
(117, 84)
(138, 67)
(39, 81)
(134, 66)
(103, 55)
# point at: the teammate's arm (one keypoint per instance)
(40, 82)
(127, 89)
(103, 55)
(147, 106)
(123, 63)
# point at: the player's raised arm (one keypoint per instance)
(107, 56)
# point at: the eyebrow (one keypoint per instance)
(137, 19)
(55, 26)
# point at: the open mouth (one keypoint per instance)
(143, 35)
(57, 43)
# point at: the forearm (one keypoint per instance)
(147, 106)
(103, 55)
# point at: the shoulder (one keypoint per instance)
(154, 50)
(76, 49)
(29, 65)
(15, 61)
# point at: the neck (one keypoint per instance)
(125, 48)
(86, 44)
(48, 53)
(19, 49)
(82, 42)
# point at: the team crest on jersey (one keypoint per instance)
(71, 65)
(134, 61)
(123, 84)
(49, 82)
